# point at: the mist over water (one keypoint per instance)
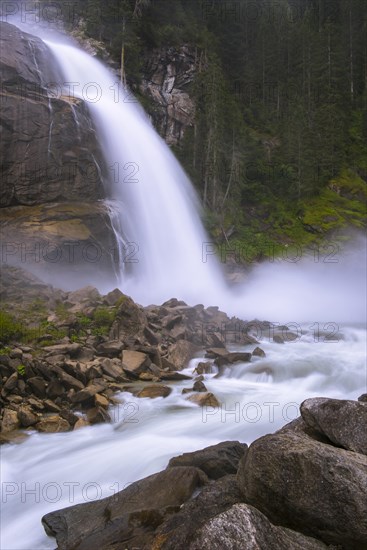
(160, 217)
(154, 206)
(163, 249)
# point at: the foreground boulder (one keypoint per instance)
(308, 485)
(142, 504)
(216, 461)
(343, 422)
(179, 530)
(244, 527)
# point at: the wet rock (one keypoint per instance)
(343, 422)
(204, 399)
(199, 386)
(67, 380)
(9, 421)
(111, 369)
(216, 461)
(36, 403)
(130, 321)
(53, 424)
(10, 384)
(258, 352)
(307, 485)
(173, 376)
(112, 348)
(154, 390)
(232, 357)
(179, 530)
(55, 389)
(113, 297)
(277, 339)
(97, 415)
(38, 386)
(204, 368)
(51, 406)
(101, 401)
(69, 416)
(81, 423)
(86, 393)
(181, 352)
(64, 349)
(135, 361)
(86, 295)
(113, 517)
(213, 353)
(27, 417)
(14, 437)
(151, 337)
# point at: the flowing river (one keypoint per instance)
(321, 298)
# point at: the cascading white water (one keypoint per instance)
(159, 213)
(51, 471)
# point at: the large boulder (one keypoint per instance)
(216, 461)
(308, 485)
(343, 422)
(154, 390)
(135, 361)
(181, 352)
(143, 503)
(242, 526)
(179, 530)
(204, 399)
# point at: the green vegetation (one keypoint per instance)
(278, 149)
(10, 328)
(21, 370)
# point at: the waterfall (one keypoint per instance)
(162, 250)
(160, 210)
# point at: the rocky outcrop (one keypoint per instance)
(168, 72)
(340, 421)
(292, 490)
(299, 479)
(242, 526)
(48, 141)
(131, 515)
(52, 168)
(64, 355)
(216, 461)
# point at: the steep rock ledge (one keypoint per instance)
(52, 167)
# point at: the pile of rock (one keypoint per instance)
(302, 488)
(59, 385)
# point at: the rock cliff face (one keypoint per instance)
(50, 159)
(167, 76)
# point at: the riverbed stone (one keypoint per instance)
(216, 461)
(154, 390)
(206, 399)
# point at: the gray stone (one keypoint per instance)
(243, 527)
(307, 485)
(216, 461)
(343, 422)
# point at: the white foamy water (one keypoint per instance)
(157, 210)
(48, 472)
